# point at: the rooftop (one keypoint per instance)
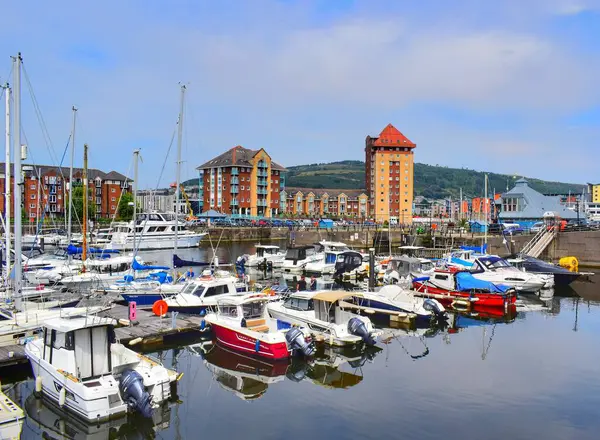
(236, 156)
(93, 173)
(390, 136)
(320, 192)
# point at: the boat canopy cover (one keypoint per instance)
(482, 249)
(74, 250)
(178, 262)
(334, 295)
(137, 266)
(465, 282)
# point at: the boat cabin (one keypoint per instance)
(406, 266)
(82, 347)
(300, 253)
(348, 261)
(208, 286)
(325, 304)
(334, 246)
(487, 264)
(263, 250)
(248, 311)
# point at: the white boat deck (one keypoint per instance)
(10, 418)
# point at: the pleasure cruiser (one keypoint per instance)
(266, 255)
(400, 270)
(153, 231)
(202, 293)
(79, 365)
(242, 323)
(326, 263)
(497, 270)
(320, 313)
(297, 257)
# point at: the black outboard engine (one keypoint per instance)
(434, 307)
(358, 328)
(296, 341)
(133, 392)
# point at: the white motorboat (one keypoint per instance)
(297, 257)
(201, 294)
(321, 314)
(395, 299)
(328, 259)
(100, 273)
(266, 255)
(498, 271)
(153, 230)
(79, 365)
(401, 269)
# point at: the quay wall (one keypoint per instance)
(585, 245)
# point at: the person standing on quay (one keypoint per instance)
(301, 286)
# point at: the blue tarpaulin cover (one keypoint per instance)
(74, 250)
(482, 249)
(466, 282)
(137, 266)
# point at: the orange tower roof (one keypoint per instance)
(392, 136)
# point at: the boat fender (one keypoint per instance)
(203, 326)
(135, 341)
(62, 396)
(124, 322)
(38, 384)
(257, 346)
(203, 312)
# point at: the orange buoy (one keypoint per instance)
(160, 307)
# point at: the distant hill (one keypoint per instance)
(434, 182)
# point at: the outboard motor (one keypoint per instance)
(296, 341)
(133, 392)
(357, 327)
(434, 307)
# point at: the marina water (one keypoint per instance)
(535, 376)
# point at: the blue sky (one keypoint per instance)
(509, 86)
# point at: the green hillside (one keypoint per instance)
(430, 181)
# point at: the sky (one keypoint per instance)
(510, 86)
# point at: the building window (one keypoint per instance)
(113, 199)
(32, 215)
(112, 207)
(32, 197)
(112, 190)
(32, 206)
(32, 186)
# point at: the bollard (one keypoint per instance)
(132, 311)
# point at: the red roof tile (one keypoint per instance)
(391, 136)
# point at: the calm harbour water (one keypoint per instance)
(533, 377)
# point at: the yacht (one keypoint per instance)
(320, 312)
(100, 273)
(153, 230)
(241, 323)
(328, 258)
(400, 270)
(266, 255)
(79, 365)
(497, 270)
(297, 257)
(201, 294)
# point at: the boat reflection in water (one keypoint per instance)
(48, 421)
(249, 378)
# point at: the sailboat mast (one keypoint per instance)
(85, 206)
(178, 168)
(486, 203)
(136, 158)
(7, 182)
(69, 225)
(18, 278)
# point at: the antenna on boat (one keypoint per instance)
(136, 157)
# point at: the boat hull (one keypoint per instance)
(244, 342)
(142, 299)
(483, 299)
(147, 242)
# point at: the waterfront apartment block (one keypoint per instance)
(45, 188)
(594, 190)
(242, 181)
(339, 203)
(389, 161)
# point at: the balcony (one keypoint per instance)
(261, 182)
(261, 191)
(233, 202)
(262, 164)
(234, 181)
(235, 172)
(235, 189)
(262, 172)
(261, 202)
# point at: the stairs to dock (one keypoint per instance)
(539, 242)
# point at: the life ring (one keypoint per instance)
(160, 307)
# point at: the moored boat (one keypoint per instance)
(242, 323)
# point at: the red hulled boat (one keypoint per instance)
(458, 288)
(242, 323)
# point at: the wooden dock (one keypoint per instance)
(148, 331)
